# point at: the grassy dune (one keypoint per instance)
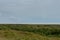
(29, 32)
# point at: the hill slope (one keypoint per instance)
(29, 32)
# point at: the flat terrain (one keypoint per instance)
(29, 32)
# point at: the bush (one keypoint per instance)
(40, 29)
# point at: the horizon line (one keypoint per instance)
(29, 23)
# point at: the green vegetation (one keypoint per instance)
(29, 32)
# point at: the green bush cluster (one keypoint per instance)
(40, 29)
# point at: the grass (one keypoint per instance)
(20, 35)
(29, 32)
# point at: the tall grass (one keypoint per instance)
(47, 30)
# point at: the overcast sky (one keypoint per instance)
(29, 11)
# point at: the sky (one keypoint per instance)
(29, 11)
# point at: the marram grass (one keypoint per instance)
(29, 32)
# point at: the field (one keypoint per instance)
(29, 32)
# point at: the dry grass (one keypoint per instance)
(20, 35)
(29, 32)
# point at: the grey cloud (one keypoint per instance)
(29, 9)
